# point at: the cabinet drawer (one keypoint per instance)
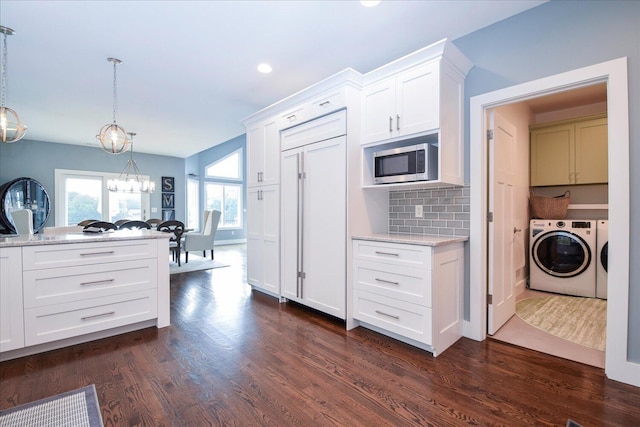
(51, 323)
(60, 285)
(327, 103)
(69, 255)
(393, 253)
(399, 282)
(403, 318)
(295, 116)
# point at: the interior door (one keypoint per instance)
(502, 279)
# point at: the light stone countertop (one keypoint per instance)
(412, 239)
(79, 237)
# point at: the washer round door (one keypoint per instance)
(604, 256)
(561, 253)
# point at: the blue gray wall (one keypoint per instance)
(196, 164)
(38, 160)
(553, 38)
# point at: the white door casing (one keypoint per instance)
(615, 74)
(502, 274)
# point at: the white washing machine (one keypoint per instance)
(563, 256)
(603, 258)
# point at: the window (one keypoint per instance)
(226, 198)
(227, 168)
(83, 195)
(222, 195)
(193, 204)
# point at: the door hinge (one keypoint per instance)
(490, 134)
(490, 216)
(489, 299)
(302, 275)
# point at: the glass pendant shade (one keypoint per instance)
(11, 128)
(130, 180)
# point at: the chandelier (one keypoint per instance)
(112, 137)
(130, 180)
(11, 129)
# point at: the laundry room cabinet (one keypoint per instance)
(573, 152)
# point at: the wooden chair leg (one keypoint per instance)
(186, 257)
(211, 254)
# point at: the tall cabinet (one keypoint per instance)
(263, 177)
(313, 214)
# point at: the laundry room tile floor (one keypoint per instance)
(517, 332)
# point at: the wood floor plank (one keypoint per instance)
(234, 357)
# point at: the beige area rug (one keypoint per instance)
(576, 319)
(195, 264)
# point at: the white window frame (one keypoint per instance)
(240, 185)
(240, 153)
(195, 200)
(61, 176)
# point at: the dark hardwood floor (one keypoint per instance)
(236, 357)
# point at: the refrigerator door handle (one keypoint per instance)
(300, 234)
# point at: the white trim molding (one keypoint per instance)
(614, 73)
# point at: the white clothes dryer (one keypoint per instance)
(563, 256)
(603, 258)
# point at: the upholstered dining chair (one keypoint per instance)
(134, 225)
(23, 221)
(203, 241)
(175, 242)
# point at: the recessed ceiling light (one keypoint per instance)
(369, 3)
(264, 68)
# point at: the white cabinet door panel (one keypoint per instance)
(11, 311)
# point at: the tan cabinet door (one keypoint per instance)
(592, 152)
(552, 156)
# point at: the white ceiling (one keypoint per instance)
(188, 76)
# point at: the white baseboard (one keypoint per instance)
(229, 242)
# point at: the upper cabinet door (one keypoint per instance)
(552, 156)
(417, 100)
(592, 152)
(378, 103)
(263, 153)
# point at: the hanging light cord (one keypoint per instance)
(3, 96)
(115, 91)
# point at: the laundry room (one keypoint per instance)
(552, 189)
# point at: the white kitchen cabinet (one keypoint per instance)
(313, 218)
(573, 152)
(263, 153)
(11, 313)
(412, 293)
(263, 248)
(404, 104)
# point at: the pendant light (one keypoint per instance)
(112, 137)
(130, 179)
(11, 129)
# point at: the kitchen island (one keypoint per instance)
(59, 290)
(410, 287)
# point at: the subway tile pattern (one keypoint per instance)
(446, 211)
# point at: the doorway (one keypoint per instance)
(614, 73)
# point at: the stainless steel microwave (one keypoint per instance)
(406, 164)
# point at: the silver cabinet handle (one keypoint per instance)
(387, 253)
(387, 281)
(397, 122)
(293, 116)
(388, 315)
(97, 282)
(322, 104)
(390, 124)
(98, 253)
(109, 313)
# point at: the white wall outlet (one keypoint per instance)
(419, 211)
(154, 210)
